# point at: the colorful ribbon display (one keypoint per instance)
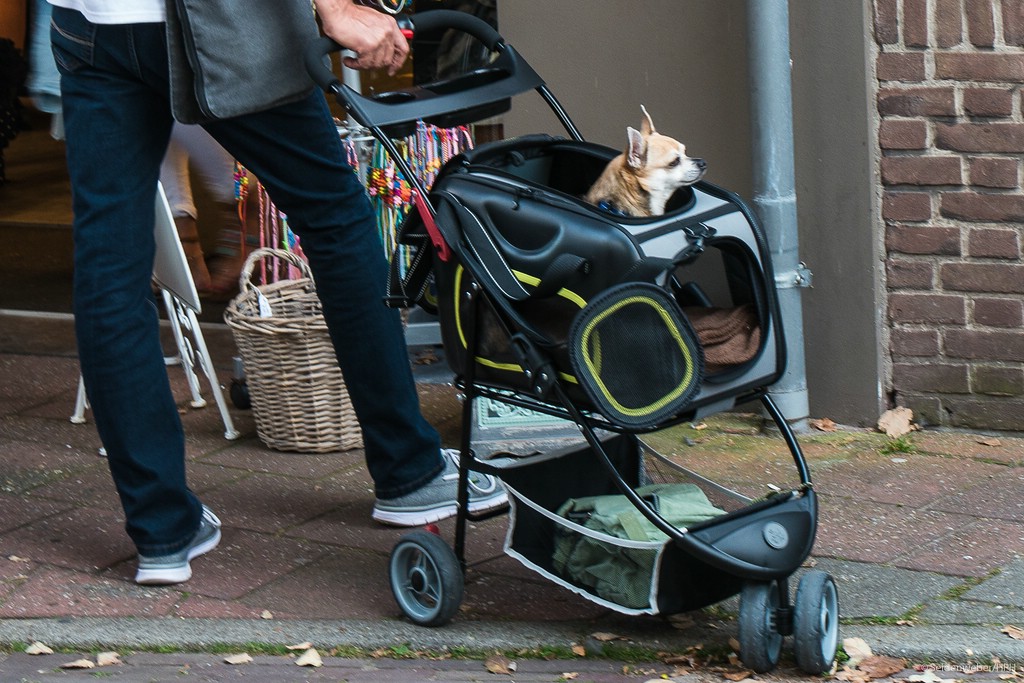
(390, 195)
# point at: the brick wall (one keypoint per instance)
(950, 103)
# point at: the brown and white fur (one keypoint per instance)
(640, 181)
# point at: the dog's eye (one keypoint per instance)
(675, 162)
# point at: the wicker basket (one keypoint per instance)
(297, 392)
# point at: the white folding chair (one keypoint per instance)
(181, 301)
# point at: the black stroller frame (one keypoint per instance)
(752, 551)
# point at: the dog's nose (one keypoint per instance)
(701, 164)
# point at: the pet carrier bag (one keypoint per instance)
(559, 273)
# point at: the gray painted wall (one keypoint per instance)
(840, 236)
(686, 62)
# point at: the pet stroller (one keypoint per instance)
(623, 326)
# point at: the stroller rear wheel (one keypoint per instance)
(426, 578)
(760, 638)
(816, 622)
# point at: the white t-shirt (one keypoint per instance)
(117, 11)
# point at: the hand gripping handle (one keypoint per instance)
(462, 99)
(433, 20)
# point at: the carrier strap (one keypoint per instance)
(443, 251)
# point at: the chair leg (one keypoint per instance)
(185, 354)
(205, 364)
(81, 403)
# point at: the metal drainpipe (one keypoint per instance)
(775, 188)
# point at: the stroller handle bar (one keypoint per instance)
(506, 76)
(467, 23)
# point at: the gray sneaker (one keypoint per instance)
(175, 568)
(436, 500)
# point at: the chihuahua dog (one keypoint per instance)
(640, 181)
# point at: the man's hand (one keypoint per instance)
(372, 35)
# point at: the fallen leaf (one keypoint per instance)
(681, 621)
(929, 677)
(38, 648)
(266, 614)
(79, 664)
(896, 422)
(734, 644)
(310, 658)
(108, 659)
(880, 666)
(301, 646)
(700, 427)
(1015, 632)
(857, 650)
(579, 650)
(427, 357)
(905, 622)
(823, 425)
(737, 675)
(605, 637)
(499, 664)
(852, 675)
(990, 442)
(572, 675)
(15, 558)
(242, 658)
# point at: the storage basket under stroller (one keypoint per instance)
(640, 571)
(623, 326)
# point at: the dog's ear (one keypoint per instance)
(636, 152)
(647, 125)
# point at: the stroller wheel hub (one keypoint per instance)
(417, 580)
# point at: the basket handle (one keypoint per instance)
(245, 283)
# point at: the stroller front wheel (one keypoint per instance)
(760, 639)
(426, 578)
(816, 622)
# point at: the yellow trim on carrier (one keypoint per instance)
(595, 365)
(526, 279)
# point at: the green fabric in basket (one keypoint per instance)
(620, 574)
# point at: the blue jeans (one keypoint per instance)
(114, 86)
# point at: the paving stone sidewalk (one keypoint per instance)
(926, 546)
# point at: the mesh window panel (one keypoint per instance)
(636, 355)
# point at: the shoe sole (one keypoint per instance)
(172, 575)
(431, 515)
